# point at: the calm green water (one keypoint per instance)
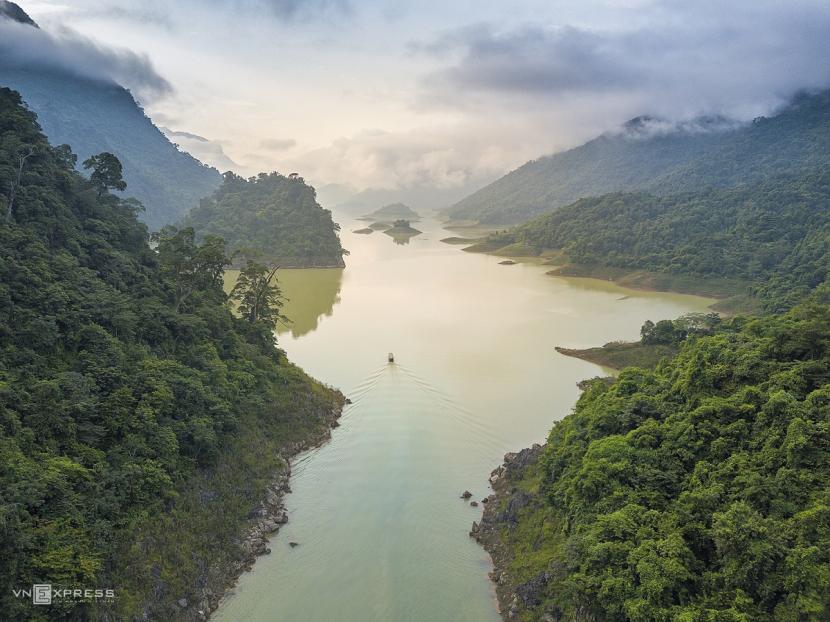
(382, 531)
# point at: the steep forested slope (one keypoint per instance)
(273, 216)
(645, 156)
(697, 491)
(775, 234)
(95, 116)
(140, 420)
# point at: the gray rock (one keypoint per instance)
(474, 504)
(466, 494)
(182, 602)
(531, 593)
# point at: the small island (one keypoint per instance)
(364, 231)
(393, 211)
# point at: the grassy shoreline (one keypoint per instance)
(618, 355)
(730, 296)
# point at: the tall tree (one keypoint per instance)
(258, 295)
(107, 172)
(190, 267)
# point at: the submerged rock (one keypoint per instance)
(466, 494)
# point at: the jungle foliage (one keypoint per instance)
(774, 234)
(140, 418)
(697, 491)
(272, 218)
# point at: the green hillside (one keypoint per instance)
(774, 235)
(96, 116)
(272, 216)
(642, 157)
(697, 491)
(140, 420)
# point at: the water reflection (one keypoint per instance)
(311, 294)
(401, 239)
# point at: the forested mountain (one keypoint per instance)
(697, 491)
(95, 116)
(774, 234)
(274, 217)
(140, 419)
(645, 156)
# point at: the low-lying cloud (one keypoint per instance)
(208, 151)
(278, 144)
(23, 46)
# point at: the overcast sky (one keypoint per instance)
(434, 93)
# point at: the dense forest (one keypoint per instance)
(272, 217)
(774, 234)
(660, 158)
(140, 419)
(696, 491)
(95, 116)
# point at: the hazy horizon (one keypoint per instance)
(404, 97)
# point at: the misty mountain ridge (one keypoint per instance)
(12, 11)
(658, 156)
(94, 114)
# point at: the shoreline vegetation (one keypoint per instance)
(147, 427)
(618, 355)
(730, 296)
(269, 515)
(638, 501)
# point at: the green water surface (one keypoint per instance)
(382, 532)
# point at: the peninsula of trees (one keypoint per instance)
(768, 240)
(271, 217)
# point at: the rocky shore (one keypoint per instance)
(266, 520)
(501, 511)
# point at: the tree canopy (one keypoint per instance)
(140, 418)
(774, 234)
(696, 491)
(271, 218)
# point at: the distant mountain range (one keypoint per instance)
(95, 116)
(651, 155)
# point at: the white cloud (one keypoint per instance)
(22, 45)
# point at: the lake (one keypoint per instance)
(381, 529)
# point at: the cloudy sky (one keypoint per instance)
(444, 94)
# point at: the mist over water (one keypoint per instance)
(381, 529)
